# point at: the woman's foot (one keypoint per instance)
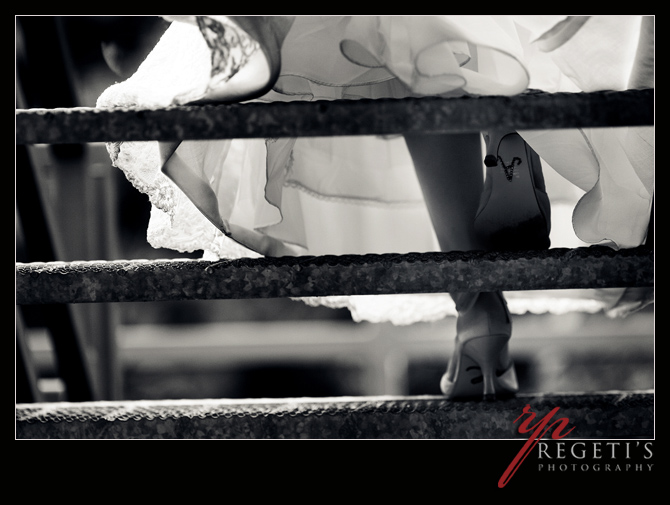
(481, 366)
(245, 56)
(514, 211)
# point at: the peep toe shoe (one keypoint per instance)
(481, 367)
(245, 63)
(514, 211)
(245, 56)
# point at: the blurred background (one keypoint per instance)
(238, 348)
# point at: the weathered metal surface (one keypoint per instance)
(533, 110)
(161, 280)
(610, 415)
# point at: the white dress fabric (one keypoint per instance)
(357, 195)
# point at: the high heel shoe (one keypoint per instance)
(514, 211)
(245, 56)
(481, 366)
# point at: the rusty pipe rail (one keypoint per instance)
(532, 110)
(598, 415)
(161, 280)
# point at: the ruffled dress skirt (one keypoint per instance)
(360, 194)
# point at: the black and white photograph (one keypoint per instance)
(428, 230)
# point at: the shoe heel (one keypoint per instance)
(475, 371)
(514, 211)
(480, 364)
(485, 351)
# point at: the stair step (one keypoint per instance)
(603, 415)
(532, 110)
(373, 274)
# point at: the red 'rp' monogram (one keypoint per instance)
(538, 431)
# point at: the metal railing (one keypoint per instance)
(54, 282)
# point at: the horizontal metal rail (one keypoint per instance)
(532, 110)
(161, 280)
(597, 415)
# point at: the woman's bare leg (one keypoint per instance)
(450, 171)
(642, 74)
(451, 174)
